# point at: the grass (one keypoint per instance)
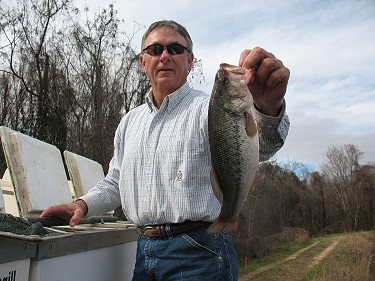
(351, 259)
(283, 253)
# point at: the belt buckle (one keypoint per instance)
(148, 227)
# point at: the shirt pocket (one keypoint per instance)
(190, 164)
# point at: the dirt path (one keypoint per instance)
(316, 260)
(319, 250)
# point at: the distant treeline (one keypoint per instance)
(339, 198)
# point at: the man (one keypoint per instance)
(160, 169)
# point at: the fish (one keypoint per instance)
(234, 144)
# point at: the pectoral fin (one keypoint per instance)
(251, 125)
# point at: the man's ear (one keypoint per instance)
(143, 63)
(191, 60)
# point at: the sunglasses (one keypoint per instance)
(157, 49)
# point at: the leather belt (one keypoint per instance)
(161, 230)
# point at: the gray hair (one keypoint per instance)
(173, 25)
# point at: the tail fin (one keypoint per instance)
(224, 226)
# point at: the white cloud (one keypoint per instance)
(328, 46)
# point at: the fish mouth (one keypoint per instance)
(237, 70)
(229, 72)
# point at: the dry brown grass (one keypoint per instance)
(348, 257)
(351, 260)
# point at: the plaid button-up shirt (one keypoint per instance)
(160, 171)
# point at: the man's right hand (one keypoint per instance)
(71, 212)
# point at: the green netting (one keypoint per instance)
(20, 226)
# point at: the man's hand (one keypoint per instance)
(269, 81)
(71, 213)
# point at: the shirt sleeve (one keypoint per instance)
(272, 133)
(105, 195)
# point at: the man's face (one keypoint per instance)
(166, 72)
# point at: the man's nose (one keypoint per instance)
(165, 54)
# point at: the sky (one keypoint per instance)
(329, 47)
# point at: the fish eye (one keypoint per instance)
(225, 80)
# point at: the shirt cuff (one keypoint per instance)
(270, 122)
(90, 200)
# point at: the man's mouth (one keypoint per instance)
(165, 69)
(165, 72)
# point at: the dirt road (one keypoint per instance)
(305, 259)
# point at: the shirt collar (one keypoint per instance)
(170, 101)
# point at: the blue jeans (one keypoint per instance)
(191, 256)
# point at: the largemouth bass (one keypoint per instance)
(234, 144)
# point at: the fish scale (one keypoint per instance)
(234, 144)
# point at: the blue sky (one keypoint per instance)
(329, 46)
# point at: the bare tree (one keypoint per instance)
(27, 28)
(318, 181)
(341, 168)
(66, 81)
(366, 181)
(108, 80)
